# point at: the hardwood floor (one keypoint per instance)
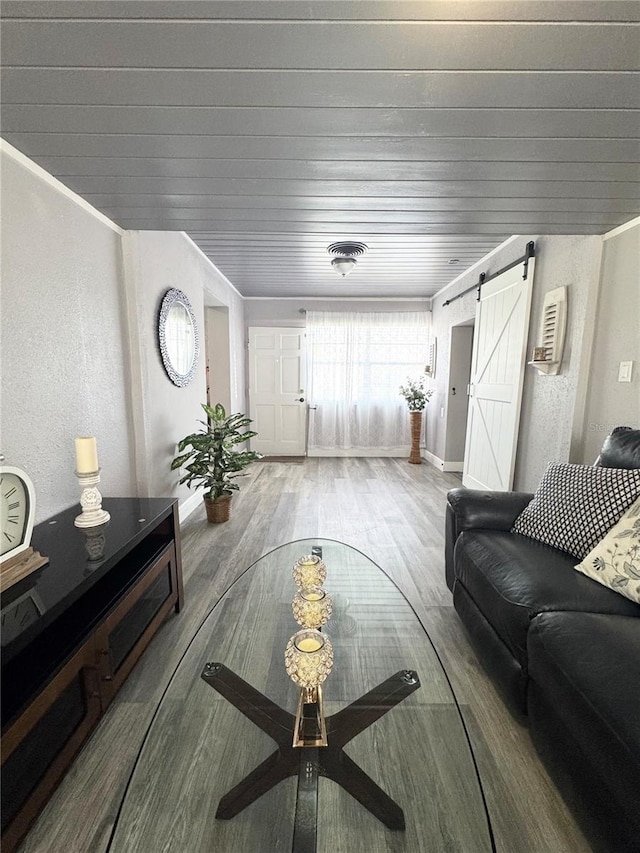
(394, 513)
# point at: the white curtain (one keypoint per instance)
(356, 363)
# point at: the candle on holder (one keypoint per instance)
(86, 455)
(309, 570)
(311, 607)
(308, 658)
(88, 473)
(309, 645)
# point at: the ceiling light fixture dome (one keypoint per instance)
(343, 266)
(345, 251)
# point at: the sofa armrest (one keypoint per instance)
(489, 510)
(470, 508)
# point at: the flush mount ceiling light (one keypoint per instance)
(345, 252)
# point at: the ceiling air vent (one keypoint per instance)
(347, 249)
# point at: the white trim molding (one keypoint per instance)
(433, 460)
(57, 185)
(361, 451)
(190, 505)
(441, 464)
(632, 223)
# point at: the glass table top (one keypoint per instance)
(199, 746)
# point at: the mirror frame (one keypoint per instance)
(173, 297)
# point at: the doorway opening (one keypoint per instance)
(460, 352)
(218, 356)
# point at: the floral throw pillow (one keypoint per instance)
(575, 506)
(615, 561)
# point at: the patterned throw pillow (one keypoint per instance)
(615, 561)
(576, 505)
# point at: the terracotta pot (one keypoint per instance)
(416, 432)
(219, 509)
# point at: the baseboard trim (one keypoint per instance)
(190, 505)
(433, 460)
(359, 451)
(441, 464)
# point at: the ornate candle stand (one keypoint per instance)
(91, 501)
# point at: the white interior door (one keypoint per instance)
(497, 376)
(277, 390)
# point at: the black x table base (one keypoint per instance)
(308, 763)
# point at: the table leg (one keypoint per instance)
(330, 761)
(337, 765)
(264, 777)
(305, 826)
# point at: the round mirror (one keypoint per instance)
(178, 335)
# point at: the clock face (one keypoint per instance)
(17, 616)
(14, 511)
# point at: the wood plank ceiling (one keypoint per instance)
(268, 129)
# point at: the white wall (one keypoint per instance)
(65, 363)
(547, 426)
(165, 413)
(79, 347)
(611, 403)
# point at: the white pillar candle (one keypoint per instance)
(86, 455)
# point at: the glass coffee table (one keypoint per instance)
(413, 758)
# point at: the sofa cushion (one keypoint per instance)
(575, 506)
(512, 579)
(615, 561)
(588, 667)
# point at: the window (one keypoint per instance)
(357, 361)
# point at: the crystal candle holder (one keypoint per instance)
(308, 658)
(309, 571)
(311, 606)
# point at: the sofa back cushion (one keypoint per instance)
(621, 449)
(576, 505)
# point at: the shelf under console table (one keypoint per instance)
(71, 633)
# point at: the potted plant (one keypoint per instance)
(417, 397)
(213, 461)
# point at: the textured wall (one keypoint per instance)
(79, 347)
(609, 402)
(547, 421)
(548, 403)
(163, 412)
(64, 351)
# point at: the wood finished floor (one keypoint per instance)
(394, 513)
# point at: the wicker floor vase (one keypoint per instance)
(416, 432)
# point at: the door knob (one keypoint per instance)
(299, 399)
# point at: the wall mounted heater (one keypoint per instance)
(547, 354)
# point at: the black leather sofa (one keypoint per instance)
(563, 650)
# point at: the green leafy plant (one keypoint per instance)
(213, 462)
(415, 393)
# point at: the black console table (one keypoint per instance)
(71, 633)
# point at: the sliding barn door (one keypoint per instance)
(497, 377)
